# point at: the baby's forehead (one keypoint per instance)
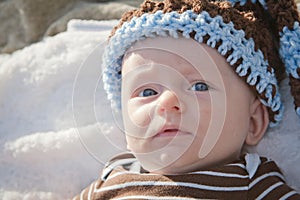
(154, 56)
(184, 55)
(158, 48)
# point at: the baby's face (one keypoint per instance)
(183, 107)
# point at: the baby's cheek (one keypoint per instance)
(139, 115)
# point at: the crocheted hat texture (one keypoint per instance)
(259, 39)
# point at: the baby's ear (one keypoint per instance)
(259, 121)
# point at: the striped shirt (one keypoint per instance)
(250, 177)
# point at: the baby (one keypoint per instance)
(197, 82)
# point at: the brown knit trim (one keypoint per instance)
(251, 18)
(284, 12)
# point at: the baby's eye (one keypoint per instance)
(199, 86)
(147, 92)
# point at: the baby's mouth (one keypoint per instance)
(170, 132)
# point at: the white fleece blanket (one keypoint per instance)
(56, 127)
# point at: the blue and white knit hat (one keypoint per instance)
(259, 39)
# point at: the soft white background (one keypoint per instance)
(56, 127)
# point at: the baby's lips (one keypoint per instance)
(170, 130)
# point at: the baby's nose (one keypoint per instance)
(168, 101)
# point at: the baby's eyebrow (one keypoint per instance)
(193, 72)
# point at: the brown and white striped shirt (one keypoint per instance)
(251, 177)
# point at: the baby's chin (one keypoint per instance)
(179, 168)
(185, 165)
(162, 164)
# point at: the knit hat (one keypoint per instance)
(259, 39)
